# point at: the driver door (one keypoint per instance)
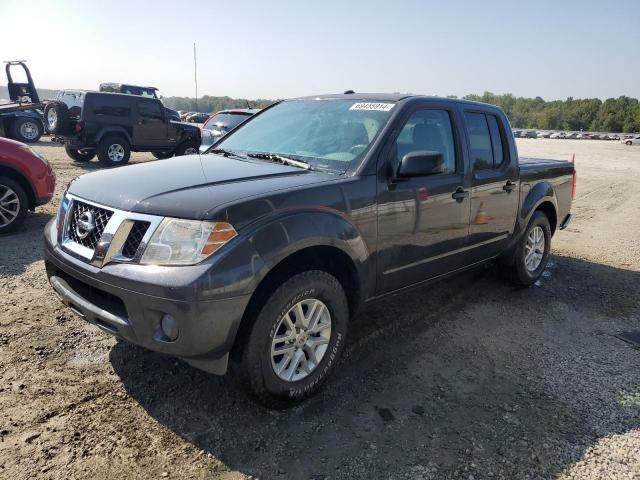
(150, 128)
(423, 221)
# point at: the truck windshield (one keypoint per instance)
(328, 134)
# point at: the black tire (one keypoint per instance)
(26, 129)
(18, 213)
(162, 155)
(57, 118)
(256, 367)
(188, 147)
(515, 266)
(84, 155)
(629, 142)
(116, 142)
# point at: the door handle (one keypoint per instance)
(509, 186)
(460, 194)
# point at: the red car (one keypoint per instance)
(26, 181)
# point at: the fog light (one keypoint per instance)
(169, 326)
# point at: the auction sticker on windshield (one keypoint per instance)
(381, 107)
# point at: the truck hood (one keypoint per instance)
(191, 186)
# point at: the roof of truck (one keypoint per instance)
(390, 97)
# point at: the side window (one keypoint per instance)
(480, 140)
(428, 130)
(150, 110)
(496, 141)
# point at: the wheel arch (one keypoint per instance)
(113, 131)
(541, 197)
(312, 240)
(23, 181)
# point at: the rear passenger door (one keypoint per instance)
(494, 184)
(150, 128)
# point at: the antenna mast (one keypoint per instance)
(195, 73)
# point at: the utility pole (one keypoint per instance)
(195, 73)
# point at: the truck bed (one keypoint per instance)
(543, 168)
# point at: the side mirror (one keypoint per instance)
(420, 163)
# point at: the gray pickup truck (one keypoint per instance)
(261, 249)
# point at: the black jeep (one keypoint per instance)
(112, 125)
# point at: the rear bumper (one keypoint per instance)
(566, 221)
(206, 329)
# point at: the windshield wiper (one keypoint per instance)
(225, 153)
(282, 159)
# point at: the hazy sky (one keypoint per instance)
(279, 49)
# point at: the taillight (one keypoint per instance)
(78, 127)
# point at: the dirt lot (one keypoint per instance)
(469, 378)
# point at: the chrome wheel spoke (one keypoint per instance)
(534, 249)
(301, 340)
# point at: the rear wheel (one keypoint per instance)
(26, 130)
(629, 142)
(296, 339)
(187, 148)
(82, 155)
(114, 151)
(13, 205)
(531, 254)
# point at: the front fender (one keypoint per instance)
(248, 258)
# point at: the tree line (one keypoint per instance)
(620, 114)
(209, 104)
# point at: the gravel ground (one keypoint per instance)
(468, 378)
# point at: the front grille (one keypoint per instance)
(100, 217)
(134, 239)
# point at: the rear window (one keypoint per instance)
(113, 106)
(228, 121)
(485, 140)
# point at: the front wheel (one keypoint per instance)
(113, 151)
(162, 155)
(629, 142)
(531, 253)
(13, 205)
(296, 339)
(187, 148)
(83, 155)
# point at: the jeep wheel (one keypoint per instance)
(57, 118)
(13, 205)
(296, 339)
(162, 155)
(113, 151)
(187, 148)
(26, 130)
(531, 253)
(83, 155)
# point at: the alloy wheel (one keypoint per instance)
(301, 340)
(9, 205)
(52, 118)
(534, 249)
(115, 152)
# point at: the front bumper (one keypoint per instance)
(128, 301)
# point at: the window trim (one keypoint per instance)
(142, 100)
(457, 146)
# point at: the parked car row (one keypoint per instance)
(568, 135)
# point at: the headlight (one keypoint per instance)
(185, 242)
